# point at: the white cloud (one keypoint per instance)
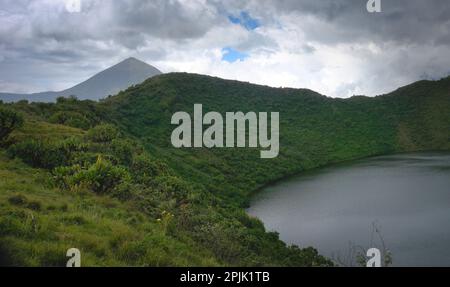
(332, 47)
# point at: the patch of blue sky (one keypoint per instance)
(245, 20)
(232, 55)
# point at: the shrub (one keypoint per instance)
(72, 119)
(123, 150)
(101, 177)
(46, 154)
(37, 153)
(70, 147)
(70, 99)
(103, 133)
(63, 175)
(124, 191)
(84, 158)
(9, 121)
(145, 169)
(173, 187)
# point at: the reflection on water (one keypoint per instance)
(407, 195)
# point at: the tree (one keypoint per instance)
(9, 121)
(103, 133)
(70, 118)
(102, 177)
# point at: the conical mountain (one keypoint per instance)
(108, 82)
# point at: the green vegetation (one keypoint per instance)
(39, 222)
(103, 133)
(9, 121)
(314, 130)
(103, 177)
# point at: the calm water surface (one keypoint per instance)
(407, 196)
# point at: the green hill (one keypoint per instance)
(314, 130)
(104, 177)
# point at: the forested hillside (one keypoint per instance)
(314, 130)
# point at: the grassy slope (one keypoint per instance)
(39, 222)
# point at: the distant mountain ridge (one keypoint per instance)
(108, 82)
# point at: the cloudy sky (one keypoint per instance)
(332, 46)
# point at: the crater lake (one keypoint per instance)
(406, 197)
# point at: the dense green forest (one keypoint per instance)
(103, 176)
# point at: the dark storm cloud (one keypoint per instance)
(130, 23)
(165, 19)
(127, 23)
(405, 21)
